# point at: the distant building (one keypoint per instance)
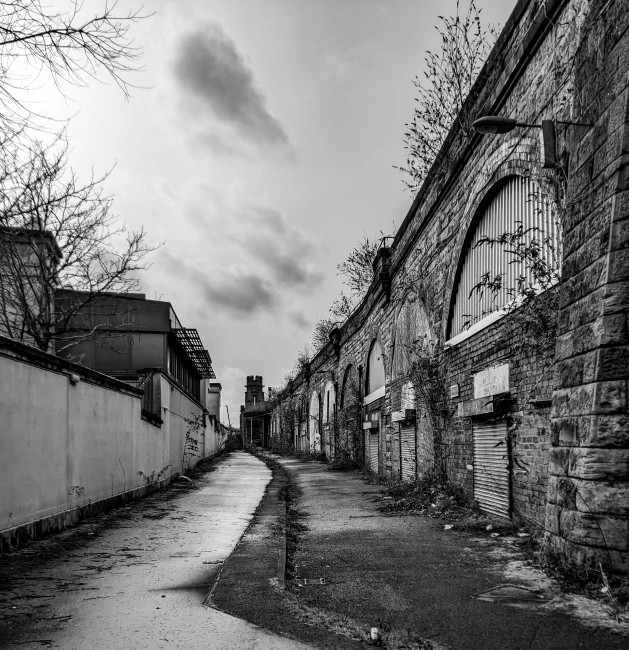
(124, 335)
(255, 414)
(28, 266)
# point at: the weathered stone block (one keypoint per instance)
(559, 461)
(612, 363)
(605, 431)
(580, 555)
(567, 431)
(610, 397)
(614, 329)
(562, 491)
(597, 497)
(594, 529)
(616, 298)
(619, 265)
(598, 464)
(568, 402)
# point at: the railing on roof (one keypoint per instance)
(190, 341)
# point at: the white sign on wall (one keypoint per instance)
(492, 381)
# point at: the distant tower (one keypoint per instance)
(255, 417)
(255, 390)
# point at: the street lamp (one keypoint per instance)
(494, 124)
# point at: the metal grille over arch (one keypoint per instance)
(411, 327)
(517, 202)
(375, 369)
(329, 403)
(314, 422)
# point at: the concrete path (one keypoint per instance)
(413, 578)
(138, 577)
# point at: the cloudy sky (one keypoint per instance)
(258, 147)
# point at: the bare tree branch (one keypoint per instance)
(56, 232)
(449, 76)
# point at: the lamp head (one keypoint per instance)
(492, 124)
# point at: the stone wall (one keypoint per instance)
(565, 60)
(588, 500)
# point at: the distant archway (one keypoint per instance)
(314, 422)
(375, 369)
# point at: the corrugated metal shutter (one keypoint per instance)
(518, 202)
(491, 467)
(373, 451)
(408, 452)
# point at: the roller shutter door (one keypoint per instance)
(408, 452)
(373, 451)
(491, 467)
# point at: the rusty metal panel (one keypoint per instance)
(491, 467)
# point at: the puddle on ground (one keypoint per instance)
(513, 596)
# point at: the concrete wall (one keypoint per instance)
(73, 441)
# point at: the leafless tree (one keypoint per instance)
(70, 47)
(448, 79)
(57, 232)
(357, 269)
(321, 334)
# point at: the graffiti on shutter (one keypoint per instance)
(491, 467)
(408, 453)
(373, 451)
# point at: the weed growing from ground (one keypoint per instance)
(428, 496)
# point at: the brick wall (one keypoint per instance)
(564, 60)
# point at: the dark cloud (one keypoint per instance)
(221, 145)
(259, 261)
(282, 249)
(241, 293)
(210, 66)
(299, 320)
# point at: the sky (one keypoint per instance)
(257, 149)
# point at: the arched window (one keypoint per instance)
(346, 389)
(329, 402)
(375, 369)
(515, 206)
(315, 409)
(411, 327)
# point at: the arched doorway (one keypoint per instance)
(314, 422)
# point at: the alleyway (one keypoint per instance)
(411, 577)
(138, 577)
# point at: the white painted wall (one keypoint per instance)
(65, 444)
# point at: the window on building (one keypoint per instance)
(375, 369)
(515, 204)
(346, 398)
(412, 328)
(330, 401)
